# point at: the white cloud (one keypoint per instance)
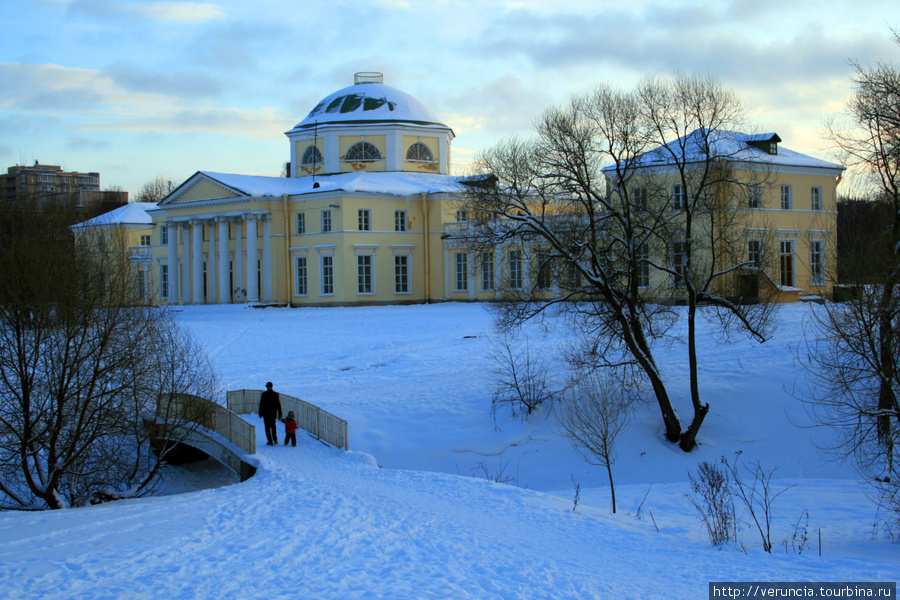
(184, 12)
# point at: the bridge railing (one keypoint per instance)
(310, 417)
(217, 418)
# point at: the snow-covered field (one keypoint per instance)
(415, 385)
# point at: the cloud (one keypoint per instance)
(135, 78)
(263, 124)
(171, 12)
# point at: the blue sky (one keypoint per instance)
(139, 89)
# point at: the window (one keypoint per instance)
(364, 283)
(419, 151)
(755, 253)
(327, 275)
(141, 284)
(164, 235)
(462, 272)
(573, 275)
(678, 264)
(401, 273)
(787, 262)
(786, 197)
(516, 278)
(311, 156)
(400, 222)
(363, 151)
(678, 197)
(754, 192)
(817, 262)
(302, 276)
(816, 198)
(639, 198)
(643, 265)
(163, 281)
(487, 271)
(145, 241)
(545, 270)
(301, 223)
(365, 219)
(326, 221)
(462, 216)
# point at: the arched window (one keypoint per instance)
(311, 156)
(419, 151)
(363, 151)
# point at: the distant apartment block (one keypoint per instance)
(40, 185)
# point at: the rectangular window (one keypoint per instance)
(816, 198)
(400, 223)
(678, 197)
(302, 276)
(164, 235)
(516, 275)
(462, 272)
(365, 219)
(141, 284)
(163, 281)
(639, 198)
(487, 271)
(755, 253)
(401, 273)
(678, 263)
(817, 262)
(754, 191)
(545, 270)
(573, 275)
(145, 240)
(326, 221)
(787, 262)
(786, 197)
(364, 283)
(301, 223)
(327, 275)
(643, 265)
(462, 216)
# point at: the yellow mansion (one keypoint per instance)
(369, 213)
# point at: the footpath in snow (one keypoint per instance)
(317, 522)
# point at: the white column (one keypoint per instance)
(210, 266)
(186, 266)
(197, 260)
(267, 258)
(172, 258)
(224, 292)
(252, 287)
(239, 262)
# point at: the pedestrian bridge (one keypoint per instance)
(222, 434)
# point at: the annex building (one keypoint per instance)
(369, 213)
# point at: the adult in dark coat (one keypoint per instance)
(270, 412)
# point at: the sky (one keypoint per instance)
(138, 89)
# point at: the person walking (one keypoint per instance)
(290, 429)
(270, 412)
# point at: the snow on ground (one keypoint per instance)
(415, 385)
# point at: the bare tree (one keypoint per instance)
(593, 414)
(521, 377)
(81, 371)
(690, 122)
(547, 196)
(585, 198)
(154, 190)
(854, 355)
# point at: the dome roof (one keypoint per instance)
(369, 103)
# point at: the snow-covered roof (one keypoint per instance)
(369, 102)
(133, 213)
(729, 145)
(389, 183)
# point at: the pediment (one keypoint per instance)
(200, 187)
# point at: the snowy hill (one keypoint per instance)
(415, 386)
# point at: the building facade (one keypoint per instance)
(369, 214)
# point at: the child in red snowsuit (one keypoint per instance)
(290, 429)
